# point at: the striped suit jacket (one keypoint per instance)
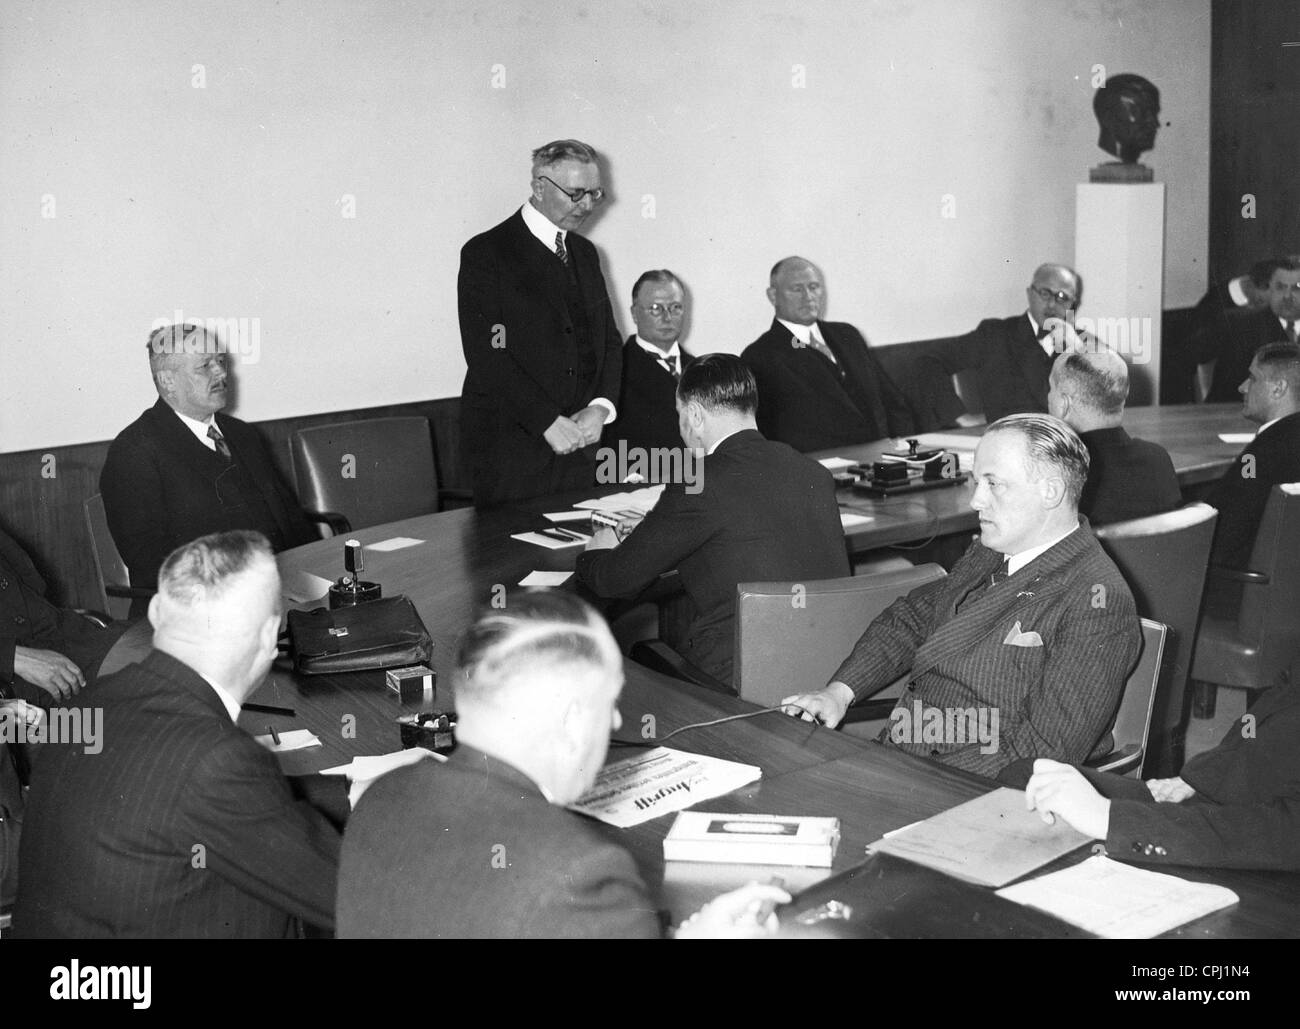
(181, 826)
(1055, 690)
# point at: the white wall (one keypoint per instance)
(225, 201)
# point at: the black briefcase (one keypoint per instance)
(383, 633)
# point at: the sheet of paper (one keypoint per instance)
(990, 840)
(640, 501)
(536, 578)
(568, 516)
(295, 739)
(369, 766)
(848, 519)
(1236, 437)
(301, 587)
(1291, 488)
(396, 543)
(836, 463)
(1118, 901)
(657, 782)
(545, 541)
(946, 441)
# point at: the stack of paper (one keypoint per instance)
(1118, 901)
(990, 840)
(639, 501)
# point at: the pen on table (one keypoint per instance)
(275, 736)
(270, 709)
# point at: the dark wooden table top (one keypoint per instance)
(466, 557)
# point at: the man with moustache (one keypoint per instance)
(1232, 345)
(543, 354)
(184, 469)
(818, 385)
(1011, 357)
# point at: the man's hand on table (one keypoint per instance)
(1056, 789)
(827, 706)
(741, 914)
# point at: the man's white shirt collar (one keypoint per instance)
(200, 429)
(227, 701)
(1266, 425)
(541, 226)
(803, 333)
(673, 353)
(1046, 342)
(1015, 562)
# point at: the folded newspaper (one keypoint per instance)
(659, 782)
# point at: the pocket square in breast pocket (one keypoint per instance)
(1016, 638)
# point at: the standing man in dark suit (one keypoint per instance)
(653, 361)
(542, 351)
(195, 831)
(756, 510)
(183, 469)
(1127, 478)
(47, 653)
(482, 846)
(1236, 806)
(1243, 332)
(1031, 635)
(818, 384)
(1012, 357)
(1271, 399)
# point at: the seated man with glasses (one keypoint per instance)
(544, 355)
(653, 362)
(1012, 357)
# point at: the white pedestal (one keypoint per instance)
(1119, 249)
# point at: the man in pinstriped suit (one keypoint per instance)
(1032, 634)
(179, 825)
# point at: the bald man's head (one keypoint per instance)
(796, 290)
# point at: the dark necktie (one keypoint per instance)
(670, 366)
(979, 589)
(560, 252)
(815, 344)
(219, 441)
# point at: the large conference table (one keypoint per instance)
(465, 557)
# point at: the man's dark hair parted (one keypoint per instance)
(1051, 443)
(206, 564)
(719, 381)
(659, 276)
(563, 150)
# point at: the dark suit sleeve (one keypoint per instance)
(138, 528)
(898, 413)
(483, 323)
(1240, 499)
(676, 527)
(1217, 836)
(611, 365)
(258, 837)
(887, 648)
(601, 896)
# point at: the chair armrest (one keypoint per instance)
(338, 524)
(1225, 574)
(659, 657)
(1118, 762)
(97, 617)
(869, 710)
(455, 498)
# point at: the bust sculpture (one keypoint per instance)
(1128, 110)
